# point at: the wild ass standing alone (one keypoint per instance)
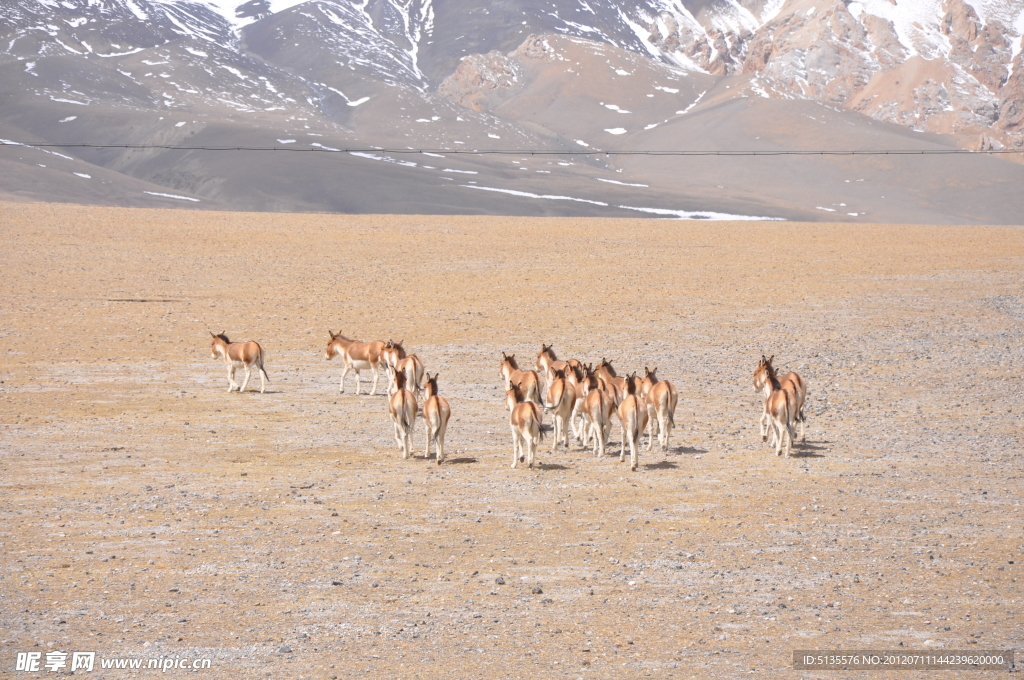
(527, 381)
(402, 408)
(795, 384)
(436, 413)
(632, 421)
(779, 406)
(524, 419)
(357, 356)
(661, 398)
(235, 354)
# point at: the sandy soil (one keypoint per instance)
(148, 513)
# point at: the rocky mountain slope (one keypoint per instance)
(560, 76)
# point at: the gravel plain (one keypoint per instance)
(148, 513)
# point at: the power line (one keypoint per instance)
(527, 152)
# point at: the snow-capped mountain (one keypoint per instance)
(557, 75)
(936, 65)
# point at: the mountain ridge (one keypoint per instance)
(434, 74)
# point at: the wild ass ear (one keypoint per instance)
(771, 358)
(330, 333)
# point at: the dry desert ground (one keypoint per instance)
(148, 513)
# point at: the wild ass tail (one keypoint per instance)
(259, 363)
(670, 406)
(634, 427)
(433, 424)
(403, 416)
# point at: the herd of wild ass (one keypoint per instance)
(580, 398)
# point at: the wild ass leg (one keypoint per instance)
(789, 435)
(231, 377)
(246, 381)
(578, 428)
(515, 446)
(634, 456)
(622, 451)
(403, 440)
(376, 374)
(344, 372)
(651, 421)
(427, 427)
(779, 436)
(439, 445)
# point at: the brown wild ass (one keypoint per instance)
(574, 376)
(632, 421)
(391, 354)
(661, 398)
(235, 354)
(793, 383)
(412, 367)
(402, 408)
(779, 407)
(597, 410)
(796, 385)
(524, 419)
(527, 381)
(546, 361)
(614, 384)
(560, 399)
(357, 356)
(436, 413)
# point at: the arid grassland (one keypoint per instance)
(145, 512)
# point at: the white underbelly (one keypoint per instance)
(361, 365)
